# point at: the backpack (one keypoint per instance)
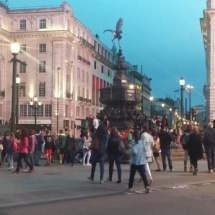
(184, 140)
(14, 146)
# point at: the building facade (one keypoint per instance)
(66, 66)
(208, 29)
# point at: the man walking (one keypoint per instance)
(165, 141)
(209, 144)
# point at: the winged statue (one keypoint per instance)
(117, 33)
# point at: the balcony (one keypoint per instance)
(82, 99)
(86, 43)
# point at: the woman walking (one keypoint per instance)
(98, 148)
(70, 148)
(156, 149)
(23, 152)
(114, 154)
(195, 149)
(87, 139)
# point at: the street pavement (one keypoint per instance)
(55, 183)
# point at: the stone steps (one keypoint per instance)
(178, 154)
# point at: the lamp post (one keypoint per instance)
(189, 89)
(163, 106)
(151, 98)
(17, 100)
(182, 83)
(35, 104)
(15, 47)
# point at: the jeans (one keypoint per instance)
(97, 158)
(166, 153)
(210, 153)
(36, 156)
(117, 160)
(86, 154)
(10, 160)
(25, 157)
(142, 172)
(31, 158)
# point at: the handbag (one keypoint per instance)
(148, 154)
(121, 147)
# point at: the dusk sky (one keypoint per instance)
(162, 36)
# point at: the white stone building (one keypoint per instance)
(208, 31)
(66, 66)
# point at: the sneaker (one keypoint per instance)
(210, 171)
(129, 190)
(119, 181)
(109, 179)
(101, 182)
(88, 164)
(89, 178)
(73, 165)
(171, 170)
(147, 189)
(158, 170)
(195, 171)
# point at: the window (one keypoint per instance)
(42, 66)
(42, 48)
(22, 68)
(23, 110)
(22, 89)
(22, 24)
(22, 48)
(83, 92)
(87, 78)
(42, 23)
(31, 110)
(78, 74)
(77, 111)
(66, 111)
(82, 112)
(87, 94)
(42, 89)
(40, 110)
(83, 76)
(94, 64)
(48, 110)
(102, 69)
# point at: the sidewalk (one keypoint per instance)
(57, 183)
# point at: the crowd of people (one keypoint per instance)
(101, 144)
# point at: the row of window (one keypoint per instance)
(42, 48)
(41, 89)
(41, 67)
(23, 24)
(28, 110)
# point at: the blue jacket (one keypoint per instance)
(137, 153)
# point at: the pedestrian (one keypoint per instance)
(31, 148)
(11, 149)
(87, 140)
(61, 147)
(184, 141)
(156, 149)
(23, 151)
(138, 161)
(114, 153)
(38, 147)
(209, 145)
(195, 149)
(98, 148)
(49, 142)
(70, 148)
(165, 142)
(148, 142)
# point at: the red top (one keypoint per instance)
(23, 146)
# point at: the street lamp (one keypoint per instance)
(15, 47)
(182, 83)
(58, 96)
(17, 100)
(189, 89)
(151, 98)
(35, 104)
(163, 105)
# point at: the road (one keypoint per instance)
(57, 190)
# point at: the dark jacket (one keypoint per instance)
(70, 144)
(165, 139)
(209, 137)
(194, 146)
(113, 146)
